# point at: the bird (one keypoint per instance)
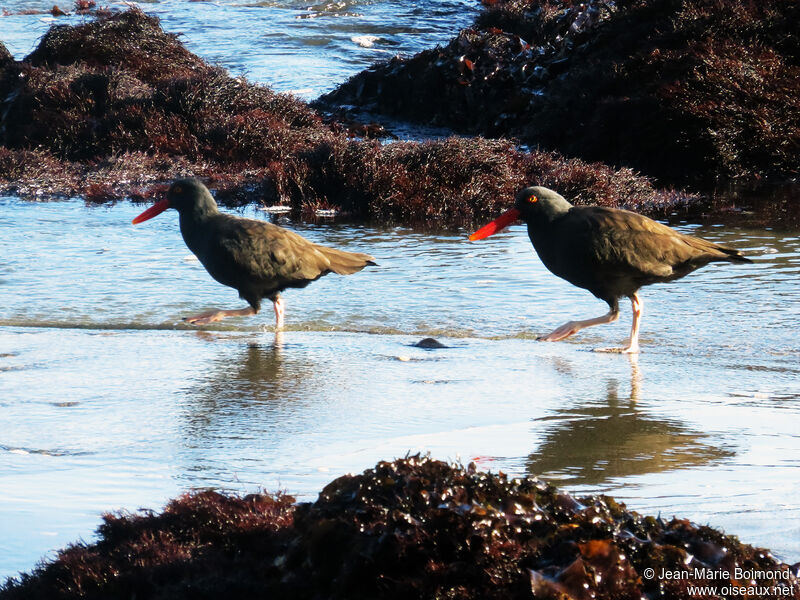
(256, 258)
(609, 251)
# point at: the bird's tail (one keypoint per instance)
(711, 252)
(346, 263)
(733, 255)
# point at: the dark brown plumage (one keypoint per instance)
(610, 252)
(256, 258)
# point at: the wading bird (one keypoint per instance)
(256, 258)
(608, 251)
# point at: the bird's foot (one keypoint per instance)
(217, 315)
(206, 317)
(566, 330)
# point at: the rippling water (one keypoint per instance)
(107, 401)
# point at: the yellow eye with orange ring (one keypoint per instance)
(533, 199)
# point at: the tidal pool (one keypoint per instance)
(108, 401)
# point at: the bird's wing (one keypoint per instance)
(634, 243)
(257, 251)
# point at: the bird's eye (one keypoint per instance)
(177, 189)
(533, 199)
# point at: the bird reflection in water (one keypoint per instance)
(249, 388)
(251, 398)
(597, 441)
(636, 378)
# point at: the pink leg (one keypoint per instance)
(633, 342)
(217, 315)
(571, 327)
(278, 305)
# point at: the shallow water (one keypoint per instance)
(107, 401)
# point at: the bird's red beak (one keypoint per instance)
(151, 212)
(501, 222)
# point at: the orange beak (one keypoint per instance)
(151, 212)
(501, 222)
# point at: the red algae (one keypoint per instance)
(410, 528)
(677, 89)
(116, 107)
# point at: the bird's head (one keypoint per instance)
(534, 204)
(184, 195)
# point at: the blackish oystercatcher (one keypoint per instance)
(608, 251)
(256, 258)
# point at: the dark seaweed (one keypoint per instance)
(414, 528)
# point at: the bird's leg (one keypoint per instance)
(278, 305)
(633, 342)
(217, 315)
(638, 308)
(571, 327)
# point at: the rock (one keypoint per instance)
(430, 344)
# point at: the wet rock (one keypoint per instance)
(430, 344)
(413, 528)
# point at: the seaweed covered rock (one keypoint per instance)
(677, 89)
(114, 107)
(451, 86)
(413, 528)
(130, 38)
(553, 20)
(121, 84)
(701, 88)
(202, 545)
(486, 78)
(467, 180)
